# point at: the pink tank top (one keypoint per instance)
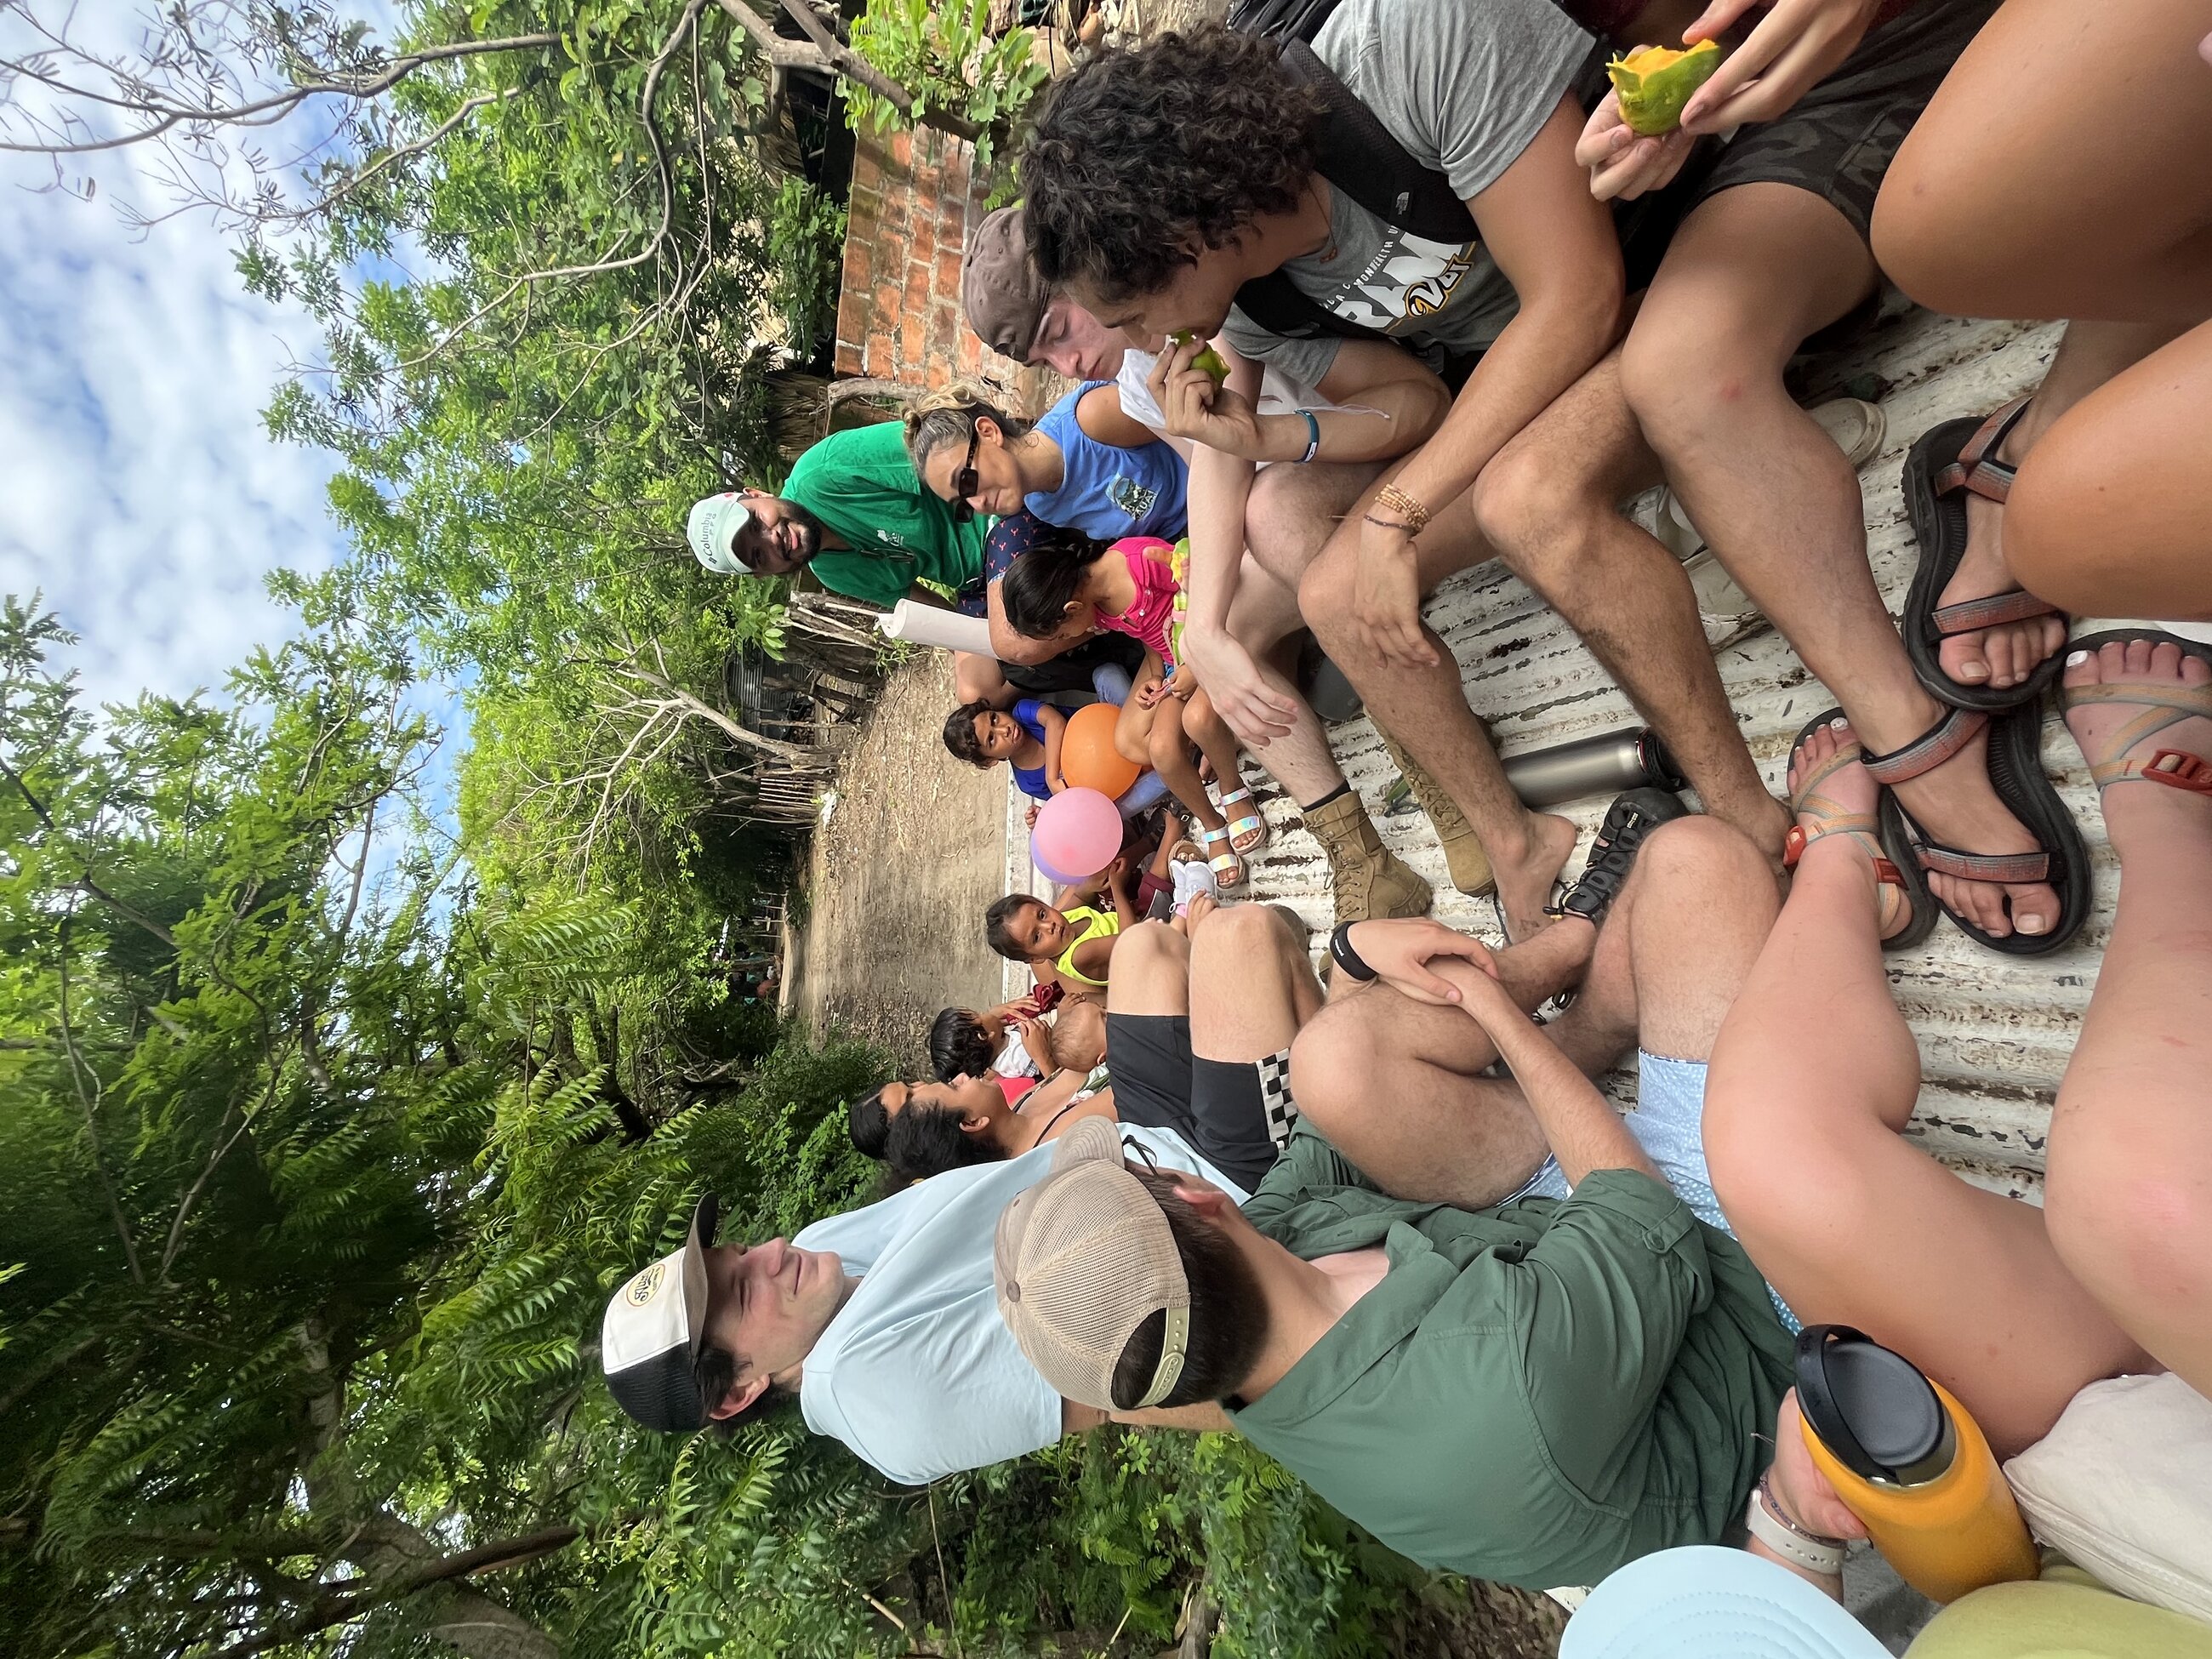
(1149, 615)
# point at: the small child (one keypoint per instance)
(1013, 1041)
(1068, 585)
(1027, 738)
(1071, 947)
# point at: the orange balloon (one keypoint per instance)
(1088, 758)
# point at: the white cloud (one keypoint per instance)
(139, 488)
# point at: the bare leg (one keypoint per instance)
(1547, 503)
(1214, 739)
(1167, 751)
(2113, 514)
(1265, 613)
(1812, 1078)
(1251, 985)
(1394, 1083)
(1751, 273)
(2062, 206)
(1427, 709)
(1151, 971)
(2130, 1198)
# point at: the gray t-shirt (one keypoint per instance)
(1464, 85)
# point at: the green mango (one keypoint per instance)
(1655, 82)
(1208, 361)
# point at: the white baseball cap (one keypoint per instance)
(714, 529)
(1701, 1602)
(649, 1339)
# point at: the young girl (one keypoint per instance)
(1068, 585)
(1027, 737)
(1085, 465)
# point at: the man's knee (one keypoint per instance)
(1331, 1060)
(1703, 857)
(1150, 946)
(1675, 377)
(1325, 588)
(1534, 506)
(1247, 934)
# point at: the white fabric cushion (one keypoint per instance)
(2123, 1486)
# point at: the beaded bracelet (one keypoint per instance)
(1397, 500)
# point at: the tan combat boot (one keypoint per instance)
(1463, 855)
(1370, 881)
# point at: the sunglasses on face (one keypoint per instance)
(965, 483)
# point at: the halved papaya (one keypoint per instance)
(1655, 82)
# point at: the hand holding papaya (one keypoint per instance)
(1196, 403)
(1795, 45)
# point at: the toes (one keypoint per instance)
(1963, 658)
(2034, 909)
(2080, 668)
(1979, 902)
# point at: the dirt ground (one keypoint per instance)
(899, 877)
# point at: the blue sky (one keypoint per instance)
(138, 490)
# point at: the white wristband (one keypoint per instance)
(1826, 1558)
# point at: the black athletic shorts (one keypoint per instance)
(1236, 1114)
(1839, 140)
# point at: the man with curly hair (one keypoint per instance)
(1161, 181)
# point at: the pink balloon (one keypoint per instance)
(1079, 830)
(1044, 868)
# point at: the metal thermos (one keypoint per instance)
(1604, 764)
(1910, 1463)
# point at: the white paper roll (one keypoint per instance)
(925, 624)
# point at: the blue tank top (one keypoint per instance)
(1107, 492)
(1031, 778)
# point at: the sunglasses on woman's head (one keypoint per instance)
(965, 483)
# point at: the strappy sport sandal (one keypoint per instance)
(1228, 868)
(2162, 706)
(1628, 822)
(1248, 830)
(1829, 818)
(1950, 461)
(2015, 771)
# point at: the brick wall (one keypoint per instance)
(914, 205)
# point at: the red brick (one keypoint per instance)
(948, 274)
(900, 151)
(971, 353)
(860, 266)
(867, 169)
(938, 374)
(914, 340)
(887, 305)
(914, 299)
(849, 361)
(881, 359)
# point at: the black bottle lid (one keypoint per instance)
(1871, 1407)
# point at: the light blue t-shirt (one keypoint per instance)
(917, 1373)
(1107, 492)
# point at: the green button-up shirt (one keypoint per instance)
(1535, 1394)
(860, 485)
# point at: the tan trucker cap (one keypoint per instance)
(1081, 1259)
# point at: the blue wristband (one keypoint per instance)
(1313, 436)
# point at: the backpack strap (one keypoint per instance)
(1357, 155)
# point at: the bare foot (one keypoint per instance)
(2133, 812)
(2005, 655)
(1849, 791)
(1956, 805)
(1524, 882)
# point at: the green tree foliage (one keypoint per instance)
(318, 1156)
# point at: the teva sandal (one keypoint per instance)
(1248, 830)
(1628, 822)
(1951, 461)
(2162, 706)
(1829, 818)
(1228, 868)
(2016, 770)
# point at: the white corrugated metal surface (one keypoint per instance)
(1995, 1031)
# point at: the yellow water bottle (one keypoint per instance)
(1910, 1463)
